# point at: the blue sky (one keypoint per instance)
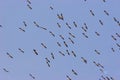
(14, 12)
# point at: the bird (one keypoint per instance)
(97, 51)
(62, 53)
(36, 24)
(58, 44)
(118, 45)
(35, 52)
(113, 49)
(0, 25)
(74, 72)
(58, 25)
(24, 23)
(31, 76)
(100, 22)
(104, 0)
(52, 33)
(68, 25)
(106, 12)
(68, 77)
(72, 35)
(20, 50)
(48, 64)
(47, 60)
(85, 25)
(84, 29)
(92, 13)
(71, 40)
(73, 53)
(51, 7)
(84, 35)
(44, 45)
(43, 28)
(84, 60)
(115, 19)
(28, 5)
(22, 29)
(5, 70)
(97, 33)
(9, 55)
(29, 1)
(68, 52)
(60, 16)
(65, 43)
(113, 37)
(118, 35)
(61, 37)
(52, 55)
(74, 23)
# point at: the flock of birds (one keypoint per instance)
(71, 38)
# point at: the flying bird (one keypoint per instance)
(97, 33)
(97, 51)
(106, 12)
(60, 16)
(52, 33)
(68, 77)
(43, 28)
(51, 7)
(52, 55)
(65, 43)
(22, 29)
(62, 53)
(58, 44)
(74, 23)
(24, 23)
(100, 22)
(20, 50)
(36, 24)
(0, 25)
(61, 37)
(84, 29)
(118, 45)
(9, 55)
(5, 70)
(113, 37)
(29, 1)
(74, 72)
(84, 60)
(68, 25)
(32, 76)
(71, 40)
(84, 35)
(58, 25)
(28, 5)
(104, 0)
(92, 13)
(118, 35)
(47, 60)
(35, 52)
(44, 45)
(71, 35)
(68, 52)
(48, 64)
(73, 53)
(113, 49)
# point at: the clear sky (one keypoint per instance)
(12, 15)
